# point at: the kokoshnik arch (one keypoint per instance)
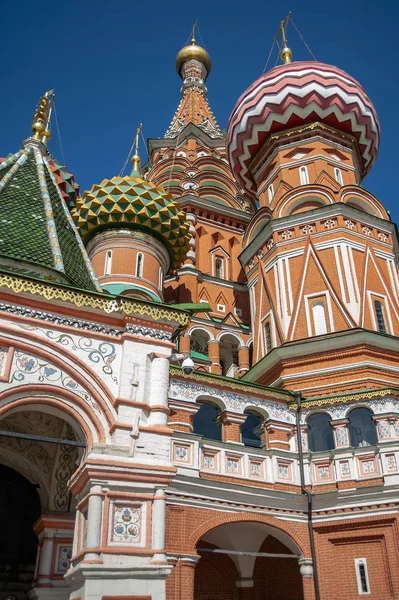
(259, 254)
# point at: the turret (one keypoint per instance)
(134, 231)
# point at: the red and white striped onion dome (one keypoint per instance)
(296, 94)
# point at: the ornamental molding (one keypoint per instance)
(80, 299)
(233, 401)
(79, 324)
(378, 401)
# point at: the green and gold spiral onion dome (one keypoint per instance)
(133, 203)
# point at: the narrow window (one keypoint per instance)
(108, 263)
(219, 267)
(303, 175)
(379, 313)
(139, 265)
(270, 191)
(319, 318)
(362, 576)
(338, 176)
(268, 338)
(160, 278)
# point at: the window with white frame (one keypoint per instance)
(362, 576)
(268, 338)
(319, 318)
(108, 263)
(379, 315)
(338, 176)
(270, 191)
(139, 265)
(303, 175)
(219, 267)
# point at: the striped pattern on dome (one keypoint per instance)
(296, 94)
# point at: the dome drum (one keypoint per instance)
(129, 262)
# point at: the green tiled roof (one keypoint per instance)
(35, 225)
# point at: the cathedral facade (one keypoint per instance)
(198, 361)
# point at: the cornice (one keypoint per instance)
(324, 212)
(105, 303)
(337, 341)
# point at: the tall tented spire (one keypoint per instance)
(38, 237)
(193, 64)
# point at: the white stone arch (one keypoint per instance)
(318, 411)
(225, 333)
(210, 399)
(300, 197)
(201, 328)
(353, 407)
(257, 410)
(249, 342)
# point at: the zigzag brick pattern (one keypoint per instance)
(297, 94)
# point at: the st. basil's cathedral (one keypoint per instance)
(199, 360)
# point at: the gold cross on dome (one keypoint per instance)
(286, 53)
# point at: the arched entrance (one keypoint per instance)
(39, 452)
(19, 510)
(247, 561)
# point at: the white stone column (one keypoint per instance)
(159, 526)
(159, 390)
(94, 520)
(45, 560)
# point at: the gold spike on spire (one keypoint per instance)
(41, 118)
(286, 53)
(136, 160)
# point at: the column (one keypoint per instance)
(159, 390)
(184, 344)
(246, 587)
(386, 426)
(278, 435)
(243, 360)
(231, 426)
(158, 526)
(187, 573)
(45, 560)
(182, 415)
(191, 256)
(214, 357)
(341, 433)
(306, 570)
(94, 521)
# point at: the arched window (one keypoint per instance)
(219, 267)
(139, 265)
(205, 422)
(320, 434)
(361, 427)
(251, 354)
(251, 430)
(379, 313)
(108, 263)
(270, 191)
(319, 318)
(338, 176)
(268, 338)
(303, 175)
(362, 576)
(199, 344)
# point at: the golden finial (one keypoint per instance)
(41, 118)
(286, 53)
(136, 158)
(193, 40)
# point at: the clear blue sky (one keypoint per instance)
(112, 65)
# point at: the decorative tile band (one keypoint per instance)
(78, 298)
